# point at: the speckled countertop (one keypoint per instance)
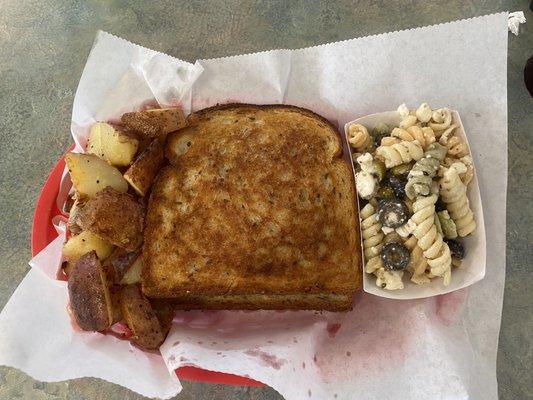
(43, 47)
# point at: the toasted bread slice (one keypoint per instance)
(257, 201)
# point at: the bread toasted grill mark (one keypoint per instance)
(257, 202)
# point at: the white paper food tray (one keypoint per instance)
(473, 265)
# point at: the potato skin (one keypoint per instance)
(164, 312)
(118, 263)
(89, 294)
(156, 122)
(141, 318)
(116, 306)
(115, 217)
(141, 174)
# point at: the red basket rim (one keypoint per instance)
(43, 232)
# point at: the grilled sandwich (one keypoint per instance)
(257, 210)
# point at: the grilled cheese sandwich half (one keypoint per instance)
(257, 210)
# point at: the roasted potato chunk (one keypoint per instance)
(115, 217)
(90, 299)
(133, 274)
(116, 147)
(142, 172)
(119, 263)
(141, 318)
(116, 307)
(164, 312)
(84, 243)
(90, 174)
(156, 122)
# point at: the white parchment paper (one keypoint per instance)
(442, 347)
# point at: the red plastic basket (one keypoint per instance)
(43, 232)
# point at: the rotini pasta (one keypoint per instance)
(421, 176)
(372, 245)
(419, 167)
(372, 238)
(424, 112)
(445, 164)
(441, 119)
(359, 137)
(403, 111)
(449, 230)
(425, 135)
(419, 180)
(436, 150)
(456, 146)
(400, 153)
(409, 120)
(406, 229)
(445, 134)
(430, 241)
(453, 193)
(418, 263)
(389, 141)
(467, 176)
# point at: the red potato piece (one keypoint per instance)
(115, 217)
(141, 318)
(82, 243)
(141, 174)
(156, 122)
(133, 274)
(116, 306)
(144, 143)
(111, 144)
(90, 174)
(90, 299)
(118, 263)
(164, 312)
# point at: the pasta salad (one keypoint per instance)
(412, 183)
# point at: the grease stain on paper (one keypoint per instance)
(269, 360)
